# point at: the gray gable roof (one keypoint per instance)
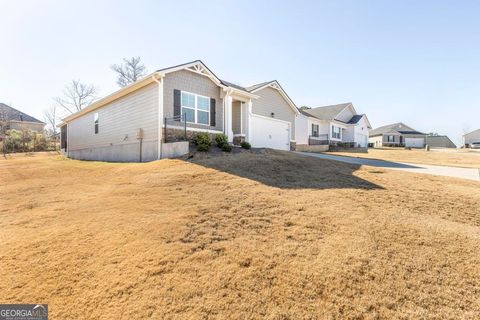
(13, 114)
(398, 127)
(474, 131)
(256, 86)
(326, 112)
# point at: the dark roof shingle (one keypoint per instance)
(13, 114)
(395, 127)
(326, 112)
(355, 119)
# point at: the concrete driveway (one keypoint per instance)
(456, 172)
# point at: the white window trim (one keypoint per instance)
(318, 130)
(388, 138)
(340, 133)
(196, 108)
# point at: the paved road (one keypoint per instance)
(456, 172)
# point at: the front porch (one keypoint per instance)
(237, 111)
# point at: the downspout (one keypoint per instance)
(160, 112)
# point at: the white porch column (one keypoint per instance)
(248, 129)
(160, 115)
(228, 117)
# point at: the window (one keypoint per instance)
(95, 121)
(314, 130)
(196, 108)
(336, 132)
(390, 138)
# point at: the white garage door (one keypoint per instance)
(361, 140)
(269, 133)
(414, 142)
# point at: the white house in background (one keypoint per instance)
(397, 135)
(471, 137)
(130, 124)
(330, 125)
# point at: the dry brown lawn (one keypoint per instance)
(450, 157)
(254, 235)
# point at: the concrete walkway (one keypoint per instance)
(456, 172)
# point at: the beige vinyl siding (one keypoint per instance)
(270, 100)
(237, 117)
(348, 134)
(194, 83)
(376, 140)
(396, 138)
(361, 127)
(245, 117)
(118, 121)
(345, 115)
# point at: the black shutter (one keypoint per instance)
(212, 112)
(176, 103)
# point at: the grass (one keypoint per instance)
(258, 234)
(448, 157)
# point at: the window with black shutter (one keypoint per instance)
(95, 121)
(314, 130)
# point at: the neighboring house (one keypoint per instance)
(397, 135)
(471, 137)
(129, 124)
(12, 118)
(332, 125)
(435, 141)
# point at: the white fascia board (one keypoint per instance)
(282, 92)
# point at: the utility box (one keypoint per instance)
(139, 134)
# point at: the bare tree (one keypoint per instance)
(51, 117)
(129, 71)
(76, 96)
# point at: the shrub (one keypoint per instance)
(203, 141)
(245, 145)
(226, 147)
(221, 140)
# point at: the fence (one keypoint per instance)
(175, 128)
(321, 139)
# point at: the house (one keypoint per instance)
(437, 141)
(331, 125)
(471, 137)
(397, 135)
(131, 124)
(12, 118)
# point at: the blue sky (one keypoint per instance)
(417, 62)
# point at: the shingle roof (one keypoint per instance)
(355, 119)
(474, 131)
(13, 114)
(409, 132)
(396, 127)
(256, 86)
(233, 85)
(326, 112)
